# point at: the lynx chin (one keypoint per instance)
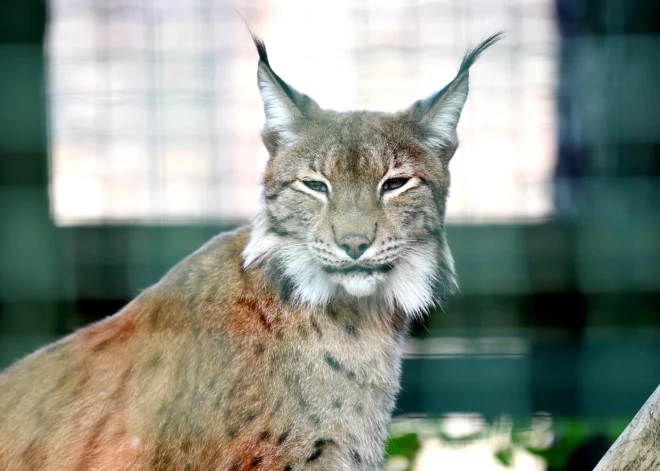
(277, 346)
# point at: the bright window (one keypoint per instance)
(155, 112)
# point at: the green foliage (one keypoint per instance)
(569, 435)
(505, 456)
(406, 445)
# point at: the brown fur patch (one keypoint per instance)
(115, 329)
(252, 317)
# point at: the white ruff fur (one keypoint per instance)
(410, 285)
(359, 284)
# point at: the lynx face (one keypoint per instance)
(354, 202)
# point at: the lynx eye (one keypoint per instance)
(316, 186)
(394, 183)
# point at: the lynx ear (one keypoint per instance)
(439, 113)
(283, 104)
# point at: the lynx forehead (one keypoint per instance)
(354, 202)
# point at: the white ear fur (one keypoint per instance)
(440, 122)
(280, 110)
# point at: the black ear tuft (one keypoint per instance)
(258, 42)
(473, 54)
(422, 107)
(261, 48)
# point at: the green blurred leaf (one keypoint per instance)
(406, 445)
(505, 456)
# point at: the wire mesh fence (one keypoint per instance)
(155, 112)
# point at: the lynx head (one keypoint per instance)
(354, 202)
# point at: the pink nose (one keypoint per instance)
(354, 245)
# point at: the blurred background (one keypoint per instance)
(129, 135)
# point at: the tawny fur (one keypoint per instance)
(269, 348)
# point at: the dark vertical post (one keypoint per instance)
(28, 268)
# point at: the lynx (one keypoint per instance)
(277, 346)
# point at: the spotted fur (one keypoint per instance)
(274, 347)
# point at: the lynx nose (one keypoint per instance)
(354, 245)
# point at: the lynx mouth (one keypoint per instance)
(359, 269)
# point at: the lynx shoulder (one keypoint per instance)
(277, 346)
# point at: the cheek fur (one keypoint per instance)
(294, 212)
(412, 213)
